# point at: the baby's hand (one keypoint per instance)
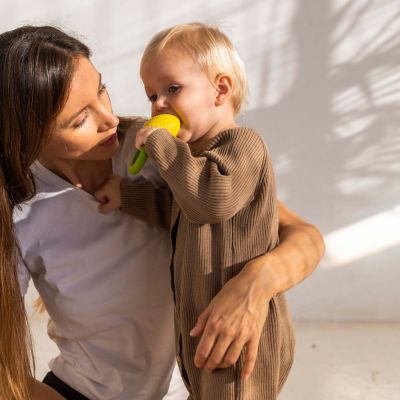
(109, 195)
(142, 135)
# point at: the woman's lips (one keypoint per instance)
(108, 141)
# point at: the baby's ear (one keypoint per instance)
(223, 86)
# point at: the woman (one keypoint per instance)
(20, 144)
(105, 279)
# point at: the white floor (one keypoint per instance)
(334, 361)
(349, 361)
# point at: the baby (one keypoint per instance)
(221, 206)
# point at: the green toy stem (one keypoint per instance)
(138, 161)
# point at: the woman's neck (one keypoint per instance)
(88, 175)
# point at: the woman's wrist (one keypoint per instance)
(261, 275)
(288, 264)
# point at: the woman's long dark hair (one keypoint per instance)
(36, 69)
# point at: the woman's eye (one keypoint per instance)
(153, 98)
(173, 89)
(81, 122)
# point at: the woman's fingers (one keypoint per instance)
(250, 357)
(206, 344)
(233, 353)
(198, 329)
(222, 344)
(218, 352)
(231, 323)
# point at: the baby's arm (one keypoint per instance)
(139, 198)
(214, 186)
(142, 200)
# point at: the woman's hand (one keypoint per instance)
(235, 317)
(233, 320)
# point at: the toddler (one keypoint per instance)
(221, 205)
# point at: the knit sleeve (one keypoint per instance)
(126, 123)
(142, 200)
(214, 186)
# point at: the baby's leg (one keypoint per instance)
(274, 360)
(225, 384)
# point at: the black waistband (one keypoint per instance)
(61, 387)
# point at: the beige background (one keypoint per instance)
(324, 81)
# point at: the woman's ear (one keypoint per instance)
(223, 86)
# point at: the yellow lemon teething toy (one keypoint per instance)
(166, 121)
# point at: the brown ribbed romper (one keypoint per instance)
(222, 213)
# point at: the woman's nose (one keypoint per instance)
(110, 121)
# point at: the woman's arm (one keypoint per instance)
(235, 317)
(40, 391)
(298, 254)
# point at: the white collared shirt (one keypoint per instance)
(105, 281)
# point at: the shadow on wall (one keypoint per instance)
(335, 139)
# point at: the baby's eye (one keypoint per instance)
(103, 88)
(173, 88)
(153, 98)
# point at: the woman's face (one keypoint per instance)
(86, 127)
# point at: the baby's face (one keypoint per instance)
(175, 85)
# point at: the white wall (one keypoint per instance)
(325, 92)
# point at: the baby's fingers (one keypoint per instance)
(107, 204)
(106, 207)
(101, 195)
(142, 135)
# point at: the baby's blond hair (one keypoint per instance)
(210, 48)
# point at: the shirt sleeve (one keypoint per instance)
(23, 276)
(214, 186)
